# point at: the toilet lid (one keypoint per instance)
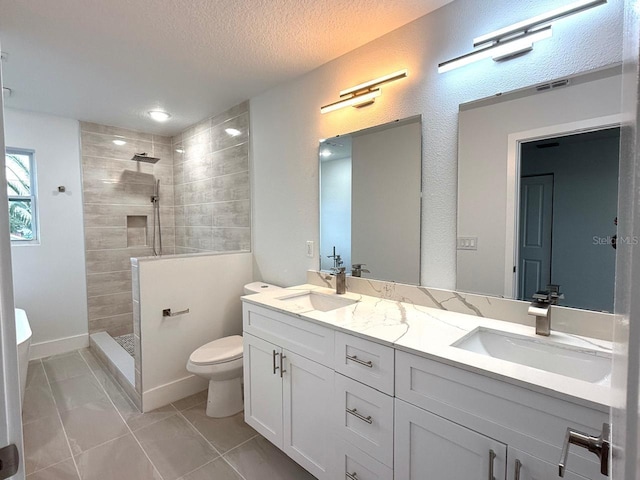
(222, 350)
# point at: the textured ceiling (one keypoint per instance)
(110, 61)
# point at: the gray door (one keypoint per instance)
(536, 217)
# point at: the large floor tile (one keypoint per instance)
(38, 403)
(119, 459)
(65, 366)
(137, 420)
(35, 374)
(258, 459)
(191, 401)
(218, 470)
(77, 391)
(223, 433)
(174, 447)
(62, 471)
(44, 444)
(92, 424)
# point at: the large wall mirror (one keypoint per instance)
(370, 200)
(537, 191)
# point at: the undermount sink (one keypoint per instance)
(317, 301)
(580, 363)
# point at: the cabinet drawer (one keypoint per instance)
(365, 361)
(350, 460)
(308, 339)
(364, 418)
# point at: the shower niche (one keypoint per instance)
(137, 231)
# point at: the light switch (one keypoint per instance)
(467, 243)
(309, 248)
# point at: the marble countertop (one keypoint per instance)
(430, 332)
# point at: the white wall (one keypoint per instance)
(482, 188)
(210, 286)
(49, 278)
(286, 122)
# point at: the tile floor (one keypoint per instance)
(79, 424)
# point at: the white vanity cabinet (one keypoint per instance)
(428, 446)
(288, 397)
(434, 400)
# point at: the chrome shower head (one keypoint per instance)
(143, 157)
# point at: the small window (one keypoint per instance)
(21, 191)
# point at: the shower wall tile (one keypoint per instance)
(105, 238)
(110, 305)
(231, 160)
(117, 131)
(116, 325)
(231, 113)
(232, 239)
(211, 184)
(108, 283)
(231, 214)
(115, 187)
(105, 261)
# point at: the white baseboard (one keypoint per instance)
(58, 346)
(171, 392)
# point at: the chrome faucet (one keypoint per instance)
(357, 270)
(341, 279)
(337, 259)
(539, 308)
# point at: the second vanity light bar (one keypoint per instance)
(518, 38)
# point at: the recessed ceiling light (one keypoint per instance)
(179, 150)
(234, 132)
(325, 153)
(119, 142)
(159, 115)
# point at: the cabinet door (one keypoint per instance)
(263, 388)
(307, 394)
(523, 466)
(428, 447)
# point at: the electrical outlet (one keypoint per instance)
(467, 243)
(309, 248)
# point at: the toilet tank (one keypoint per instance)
(259, 287)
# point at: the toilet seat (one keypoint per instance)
(223, 350)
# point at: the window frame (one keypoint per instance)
(32, 198)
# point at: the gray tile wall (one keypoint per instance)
(211, 184)
(115, 187)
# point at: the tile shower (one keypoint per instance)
(204, 205)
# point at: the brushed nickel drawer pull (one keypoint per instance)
(492, 457)
(355, 413)
(518, 467)
(353, 358)
(275, 367)
(352, 476)
(282, 370)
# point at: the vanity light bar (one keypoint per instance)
(375, 83)
(500, 50)
(510, 41)
(363, 94)
(537, 21)
(355, 101)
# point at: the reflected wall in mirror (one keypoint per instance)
(370, 191)
(537, 191)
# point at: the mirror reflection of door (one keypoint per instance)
(568, 207)
(536, 223)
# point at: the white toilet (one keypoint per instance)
(220, 362)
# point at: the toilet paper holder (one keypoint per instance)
(168, 313)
